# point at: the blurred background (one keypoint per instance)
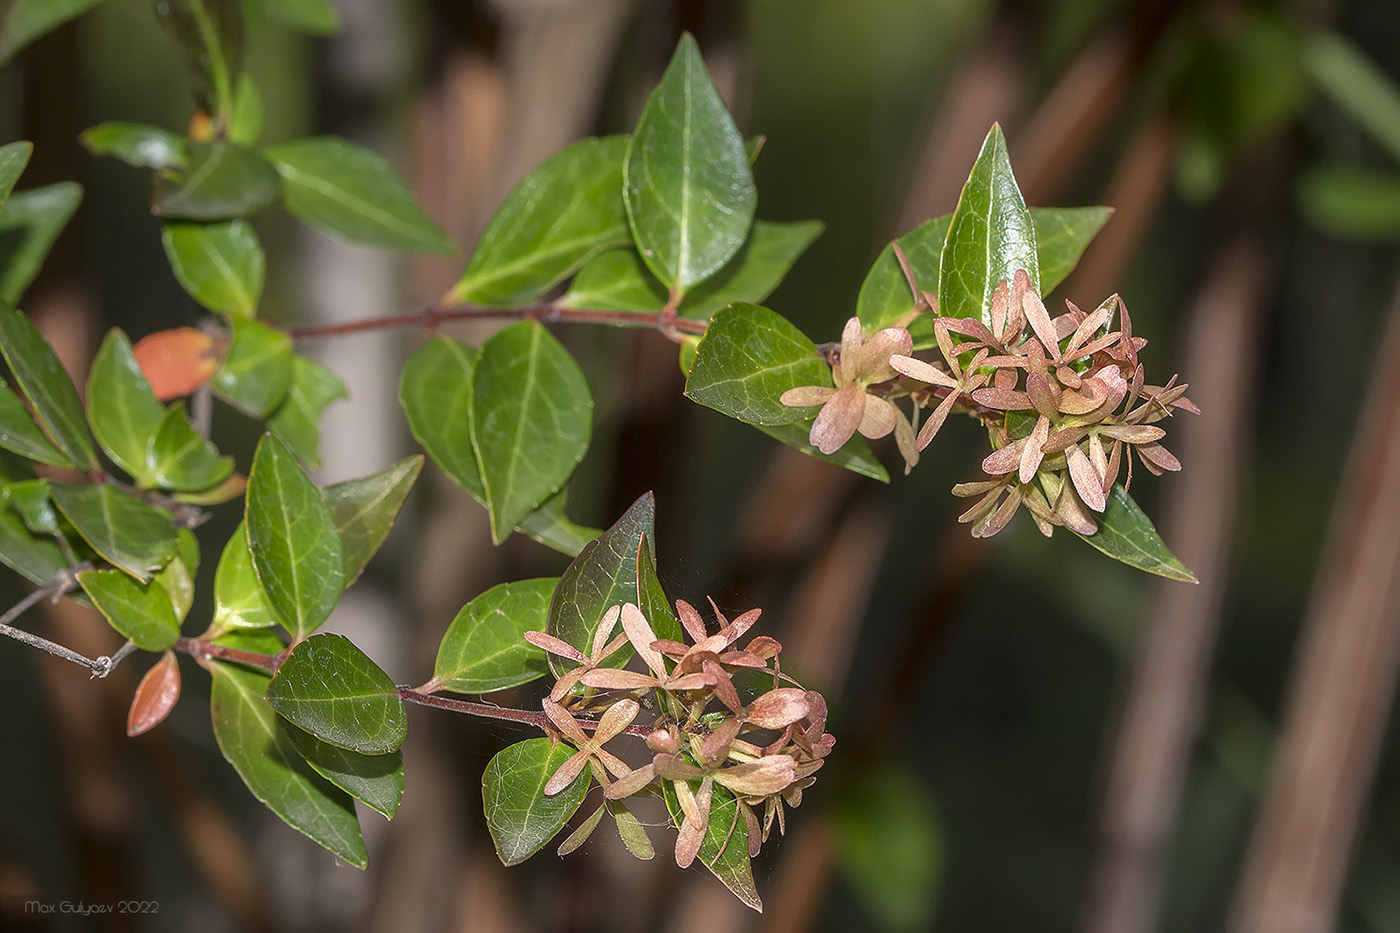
(1030, 736)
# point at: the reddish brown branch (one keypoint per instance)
(670, 326)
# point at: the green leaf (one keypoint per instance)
(485, 649)
(30, 498)
(618, 279)
(854, 455)
(239, 601)
(1061, 234)
(250, 736)
(375, 779)
(36, 557)
(177, 576)
(257, 372)
(651, 596)
(1127, 534)
(46, 384)
(13, 158)
(725, 848)
(890, 848)
(296, 551)
(1351, 202)
(223, 181)
(562, 213)
(29, 225)
(551, 527)
(435, 391)
(518, 814)
(138, 144)
(127, 532)
(220, 264)
(181, 459)
(330, 688)
(296, 422)
(27, 20)
(531, 416)
(1355, 83)
(246, 121)
(121, 408)
(602, 576)
(317, 17)
(990, 236)
(687, 183)
(142, 612)
(20, 433)
(349, 192)
(364, 511)
(884, 295)
(210, 34)
(749, 357)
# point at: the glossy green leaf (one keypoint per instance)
(1365, 91)
(239, 600)
(30, 498)
(210, 33)
(122, 410)
(251, 738)
(562, 213)
(27, 20)
(45, 383)
(651, 595)
(330, 688)
(364, 511)
(725, 848)
(884, 296)
(1061, 234)
(603, 575)
(296, 550)
(220, 264)
(348, 191)
(747, 359)
(485, 649)
(223, 181)
(1351, 202)
(990, 236)
(1127, 534)
(377, 780)
(246, 121)
(531, 416)
(181, 459)
(297, 421)
(518, 814)
(687, 183)
(551, 527)
(138, 144)
(317, 17)
(890, 848)
(619, 280)
(435, 391)
(13, 158)
(126, 531)
(29, 225)
(177, 576)
(142, 612)
(36, 557)
(257, 372)
(854, 455)
(19, 432)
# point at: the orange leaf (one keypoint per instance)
(177, 361)
(155, 695)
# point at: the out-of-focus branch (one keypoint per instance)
(1342, 686)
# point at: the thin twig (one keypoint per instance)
(509, 714)
(672, 327)
(62, 583)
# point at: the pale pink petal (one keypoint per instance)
(554, 645)
(673, 768)
(1062, 439)
(724, 687)
(640, 634)
(1133, 433)
(838, 419)
(850, 351)
(1005, 460)
(565, 723)
(611, 678)
(1086, 329)
(568, 771)
(1035, 312)
(759, 778)
(879, 418)
(616, 766)
(1041, 394)
(1087, 481)
(778, 708)
(1155, 455)
(1031, 455)
(996, 312)
(806, 396)
(873, 359)
(614, 719)
(691, 619)
(904, 441)
(629, 784)
(605, 630)
(1090, 395)
(999, 519)
(717, 743)
(922, 371)
(1002, 399)
(690, 682)
(1072, 513)
(935, 421)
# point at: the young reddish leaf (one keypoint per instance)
(176, 361)
(155, 695)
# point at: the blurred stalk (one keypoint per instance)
(1166, 688)
(1342, 687)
